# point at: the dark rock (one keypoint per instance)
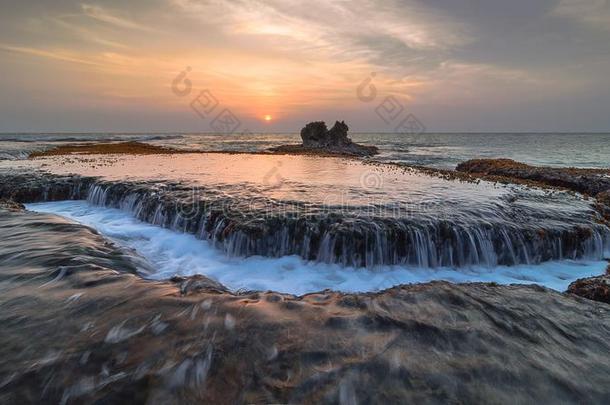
(318, 139)
(586, 181)
(593, 288)
(197, 283)
(603, 204)
(316, 135)
(10, 205)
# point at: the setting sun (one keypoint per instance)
(267, 118)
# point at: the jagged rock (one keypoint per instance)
(318, 139)
(593, 288)
(316, 135)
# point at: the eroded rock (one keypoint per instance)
(197, 283)
(593, 288)
(318, 139)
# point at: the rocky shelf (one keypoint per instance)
(79, 325)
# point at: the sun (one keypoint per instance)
(268, 118)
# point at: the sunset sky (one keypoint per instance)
(457, 65)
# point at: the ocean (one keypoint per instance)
(440, 150)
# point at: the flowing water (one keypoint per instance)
(176, 253)
(303, 223)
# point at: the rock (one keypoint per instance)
(593, 288)
(11, 205)
(603, 204)
(586, 181)
(198, 283)
(316, 135)
(318, 139)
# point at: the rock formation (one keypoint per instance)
(318, 139)
(316, 135)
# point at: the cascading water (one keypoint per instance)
(352, 238)
(357, 241)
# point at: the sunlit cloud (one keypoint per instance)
(100, 14)
(295, 60)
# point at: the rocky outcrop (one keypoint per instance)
(318, 139)
(593, 288)
(316, 135)
(586, 181)
(78, 326)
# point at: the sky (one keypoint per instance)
(254, 65)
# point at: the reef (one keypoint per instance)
(114, 148)
(319, 140)
(585, 181)
(80, 325)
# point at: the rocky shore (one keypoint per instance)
(79, 325)
(114, 148)
(82, 324)
(592, 182)
(585, 181)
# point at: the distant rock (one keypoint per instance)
(316, 135)
(318, 139)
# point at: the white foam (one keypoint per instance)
(173, 253)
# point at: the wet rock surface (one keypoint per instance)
(252, 227)
(593, 288)
(586, 181)
(10, 205)
(78, 325)
(318, 139)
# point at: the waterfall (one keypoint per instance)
(342, 238)
(359, 242)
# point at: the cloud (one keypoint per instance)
(50, 54)
(100, 14)
(355, 29)
(595, 13)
